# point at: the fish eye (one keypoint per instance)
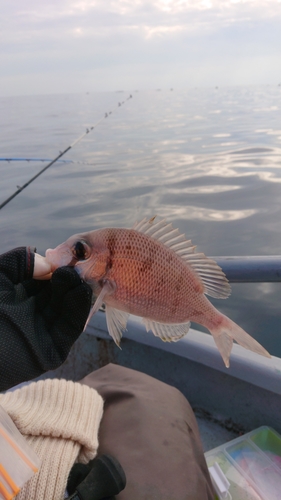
(80, 250)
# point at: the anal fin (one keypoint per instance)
(168, 332)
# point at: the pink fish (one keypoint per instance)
(153, 272)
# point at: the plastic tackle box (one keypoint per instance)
(248, 467)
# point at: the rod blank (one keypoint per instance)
(88, 130)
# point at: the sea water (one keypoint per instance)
(208, 160)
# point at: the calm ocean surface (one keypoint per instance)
(209, 160)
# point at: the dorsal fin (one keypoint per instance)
(213, 278)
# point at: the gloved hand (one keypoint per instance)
(39, 320)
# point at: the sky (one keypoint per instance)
(66, 46)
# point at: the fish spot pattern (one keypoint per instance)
(151, 280)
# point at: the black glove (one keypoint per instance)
(39, 320)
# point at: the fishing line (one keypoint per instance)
(62, 153)
(44, 160)
(34, 159)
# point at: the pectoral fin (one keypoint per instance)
(108, 288)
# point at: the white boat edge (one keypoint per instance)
(200, 347)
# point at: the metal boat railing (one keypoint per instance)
(252, 269)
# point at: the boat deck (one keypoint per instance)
(213, 433)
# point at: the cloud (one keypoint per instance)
(48, 16)
(148, 40)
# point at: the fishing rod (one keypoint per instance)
(62, 153)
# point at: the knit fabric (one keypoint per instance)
(60, 420)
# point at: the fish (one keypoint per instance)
(154, 272)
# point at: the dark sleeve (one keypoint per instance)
(16, 265)
(39, 320)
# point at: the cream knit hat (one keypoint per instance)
(60, 420)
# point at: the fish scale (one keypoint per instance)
(151, 280)
(152, 271)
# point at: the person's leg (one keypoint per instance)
(151, 429)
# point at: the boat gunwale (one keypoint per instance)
(200, 347)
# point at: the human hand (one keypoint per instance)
(39, 319)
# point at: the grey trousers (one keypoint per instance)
(151, 429)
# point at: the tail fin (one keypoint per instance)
(229, 331)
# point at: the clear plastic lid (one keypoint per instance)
(251, 465)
